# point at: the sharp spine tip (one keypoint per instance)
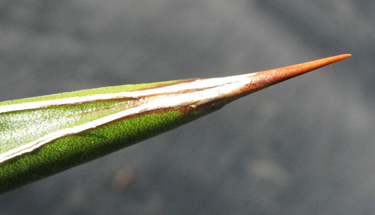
(267, 78)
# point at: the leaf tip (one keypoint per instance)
(261, 80)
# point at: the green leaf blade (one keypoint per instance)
(26, 126)
(70, 151)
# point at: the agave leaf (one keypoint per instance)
(45, 135)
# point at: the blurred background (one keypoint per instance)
(305, 146)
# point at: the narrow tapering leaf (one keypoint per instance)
(45, 135)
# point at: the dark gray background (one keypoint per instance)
(305, 146)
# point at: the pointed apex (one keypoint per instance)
(299, 69)
(263, 79)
